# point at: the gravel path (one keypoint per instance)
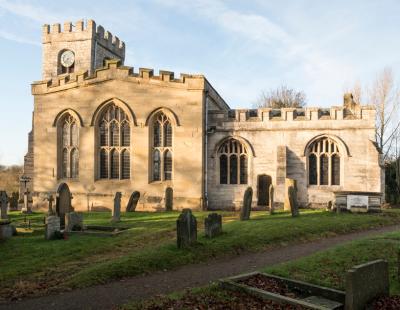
(109, 296)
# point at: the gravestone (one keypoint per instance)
(133, 201)
(63, 202)
(366, 282)
(50, 210)
(246, 208)
(6, 230)
(186, 229)
(271, 199)
(169, 199)
(294, 207)
(14, 201)
(26, 208)
(73, 221)
(288, 183)
(116, 212)
(213, 225)
(52, 226)
(329, 206)
(3, 205)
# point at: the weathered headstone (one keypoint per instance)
(50, 210)
(73, 221)
(329, 206)
(26, 208)
(288, 183)
(6, 230)
(63, 202)
(116, 212)
(213, 225)
(294, 207)
(186, 229)
(169, 199)
(52, 226)
(366, 282)
(271, 199)
(3, 205)
(246, 208)
(133, 201)
(14, 201)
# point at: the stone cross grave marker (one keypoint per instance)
(186, 229)
(133, 201)
(366, 282)
(3, 205)
(246, 208)
(26, 208)
(213, 225)
(50, 200)
(116, 212)
(271, 199)
(52, 226)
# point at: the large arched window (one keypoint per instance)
(68, 147)
(161, 148)
(233, 163)
(114, 143)
(323, 162)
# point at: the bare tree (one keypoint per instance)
(281, 97)
(385, 96)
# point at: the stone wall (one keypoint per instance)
(141, 94)
(278, 140)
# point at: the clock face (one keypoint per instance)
(67, 58)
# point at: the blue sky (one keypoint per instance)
(243, 47)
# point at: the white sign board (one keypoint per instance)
(357, 201)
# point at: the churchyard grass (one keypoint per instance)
(30, 265)
(326, 268)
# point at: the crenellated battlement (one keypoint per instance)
(113, 69)
(268, 115)
(82, 30)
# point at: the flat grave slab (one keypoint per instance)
(286, 291)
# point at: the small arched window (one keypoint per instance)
(233, 163)
(68, 147)
(114, 143)
(323, 162)
(161, 148)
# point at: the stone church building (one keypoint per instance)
(101, 127)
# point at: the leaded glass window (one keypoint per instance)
(233, 163)
(324, 162)
(68, 147)
(115, 141)
(162, 148)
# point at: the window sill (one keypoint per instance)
(330, 187)
(161, 182)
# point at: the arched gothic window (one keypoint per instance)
(161, 148)
(114, 143)
(233, 163)
(323, 162)
(68, 147)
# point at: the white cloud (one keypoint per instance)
(29, 11)
(16, 38)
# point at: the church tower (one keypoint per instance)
(77, 48)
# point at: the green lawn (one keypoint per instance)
(329, 267)
(30, 265)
